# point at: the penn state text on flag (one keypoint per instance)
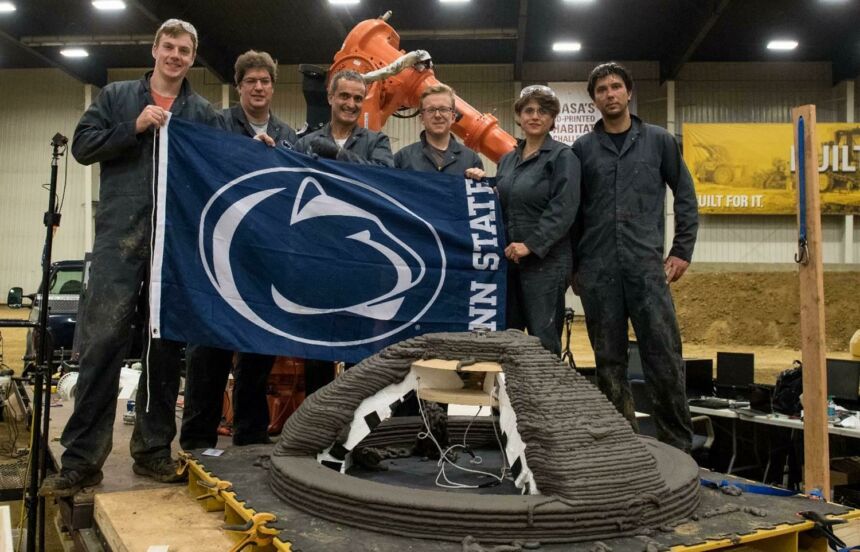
(268, 250)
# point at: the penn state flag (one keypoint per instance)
(266, 250)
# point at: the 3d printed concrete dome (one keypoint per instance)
(585, 473)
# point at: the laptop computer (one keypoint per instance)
(735, 374)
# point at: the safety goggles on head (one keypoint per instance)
(537, 89)
(184, 25)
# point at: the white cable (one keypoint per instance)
(151, 253)
(443, 458)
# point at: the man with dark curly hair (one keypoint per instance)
(619, 267)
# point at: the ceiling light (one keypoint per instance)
(74, 52)
(578, 1)
(109, 5)
(782, 45)
(343, 2)
(7, 7)
(566, 46)
(454, 1)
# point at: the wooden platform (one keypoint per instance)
(78, 513)
(439, 364)
(457, 395)
(133, 521)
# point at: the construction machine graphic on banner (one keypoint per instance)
(749, 168)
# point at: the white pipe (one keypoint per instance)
(403, 62)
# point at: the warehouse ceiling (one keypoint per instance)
(672, 32)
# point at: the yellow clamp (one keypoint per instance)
(255, 530)
(185, 460)
(213, 490)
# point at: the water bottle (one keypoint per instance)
(129, 416)
(831, 409)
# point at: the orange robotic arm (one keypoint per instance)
(374, 44)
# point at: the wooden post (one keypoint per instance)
(816, 471)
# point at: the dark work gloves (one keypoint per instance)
(324, 147)
(348, 156)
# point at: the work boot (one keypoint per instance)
(69, 482)
(163, 469)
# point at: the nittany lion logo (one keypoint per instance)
(318, 249)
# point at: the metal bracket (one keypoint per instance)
(255, 530)
(213, 490)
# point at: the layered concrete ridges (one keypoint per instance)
(451, 516)
(577, 445)
(326, 414)
(596, 478)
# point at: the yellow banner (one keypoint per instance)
(749, 168)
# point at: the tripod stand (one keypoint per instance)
(44, 368)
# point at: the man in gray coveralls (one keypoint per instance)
(437, 150)
(343, 140)
(118, 132)
(619, 269)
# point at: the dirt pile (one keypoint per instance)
(762, 308)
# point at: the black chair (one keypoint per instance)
(703, 428)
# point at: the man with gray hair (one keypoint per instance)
(342, 138)
(118, 131)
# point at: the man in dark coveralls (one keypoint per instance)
(437, 150)
(207, 368)
(343, 140)
(619, 268)
(118, 131)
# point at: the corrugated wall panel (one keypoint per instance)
(35, 104)
(857, 99)
(755, 92)
(856, 239)
(761, 239)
